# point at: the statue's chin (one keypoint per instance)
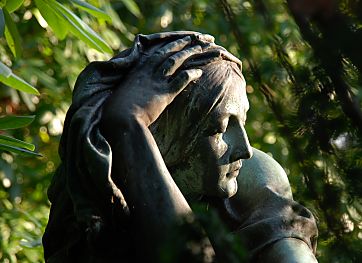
(228, 188)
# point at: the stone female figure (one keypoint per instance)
(154, 128)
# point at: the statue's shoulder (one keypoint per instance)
(261, 171)
(262, 184)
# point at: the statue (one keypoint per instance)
(151, 130)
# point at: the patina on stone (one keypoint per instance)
(157, 126)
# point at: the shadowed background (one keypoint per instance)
(303, 67)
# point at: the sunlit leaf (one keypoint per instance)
(31, 242)
(117, 22)
(82, 30)
(12, 5)
(91, 10)
(10, 79)
(2, 23)
(132, 7)
(10, 141)
(14, 122)
(43, 77)
(12, 35)
(27, 99)
(2, 3)
(31, 218)
(4, 70)
(54, 20)
(75, 25)
(18, 150)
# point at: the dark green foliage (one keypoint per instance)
(303, 66)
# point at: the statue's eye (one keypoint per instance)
(218, 126)
(216, 130)
(219, 131)
(213, 131)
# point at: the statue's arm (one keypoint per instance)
(151, 194)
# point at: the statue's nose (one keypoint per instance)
(242, 148)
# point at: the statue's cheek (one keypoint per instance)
(218, 146)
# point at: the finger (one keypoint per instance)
(170, 66)
(183, 79)
(203, 58)
(206, 38)
(210, 56)
(170, 48)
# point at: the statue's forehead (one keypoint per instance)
(234, 101)
(235, 104)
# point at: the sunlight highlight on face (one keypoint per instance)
(216, 158)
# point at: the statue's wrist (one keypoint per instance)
(115, 126)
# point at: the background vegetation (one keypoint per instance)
(302, 61)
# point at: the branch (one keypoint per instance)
(331, 61)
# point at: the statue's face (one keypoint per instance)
(214, 162)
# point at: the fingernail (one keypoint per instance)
(207, 38)
(199, 72)
(198, 48)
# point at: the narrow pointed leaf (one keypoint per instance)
(132, 7)
(117, 22)
(14, 122)
(55, 21)
(94, 11)
(4, 70)
(18, 150)
(2, 23)
(74, 24)
(12, 35)
(10, 141)
(12, 5)
(10, 79)
(81, 29)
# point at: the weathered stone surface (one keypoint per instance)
(149, 131)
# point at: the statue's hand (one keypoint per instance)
(150, 191)
(154, 83)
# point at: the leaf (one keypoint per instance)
(77, 26)
(4, 70)
(18, 150)
(14, 122)
(10, 141)
(12, 5)
(27, 100)
(12, 35)
(117, 22)
(2, 3)
(82, 30)
(2, 22)
(94, 11)
(43, 77)
(10, 79)
(30, 242)
(132, 7)
(54, 20)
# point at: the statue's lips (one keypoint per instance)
(234, 169)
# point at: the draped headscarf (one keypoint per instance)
(83, 193)
(89, 211)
